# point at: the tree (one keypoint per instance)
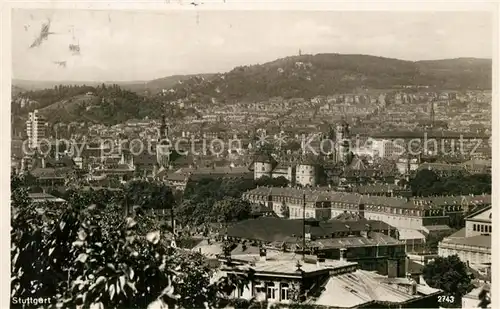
(149, 194)
(422, 183)
(285, 211)
(433, 239)
(450, 275)
(90, 256)
(428, 183)
(272, 182)
(231, 209)
(200, 199)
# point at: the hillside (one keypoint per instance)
(157, 85)
(302, 76)
(101, 104)
(468, 73)
(323, 74)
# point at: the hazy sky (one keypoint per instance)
(120, 45)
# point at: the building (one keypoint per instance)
(472, 299)
(372, 244)
(45, 198)
(307, 173)
(179, 178)
(477, 166)
(164, 146)
(284, 278)
(51, 173)
(443, 169)
(342, 143)
(323, 203)
(391, 190)
(415, 218)
(387, 149)
(35, 129)
(263, 166)
(472, 244)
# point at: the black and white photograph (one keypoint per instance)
(203, 157)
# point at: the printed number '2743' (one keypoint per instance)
(446, 299)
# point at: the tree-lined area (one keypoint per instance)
(428, 183)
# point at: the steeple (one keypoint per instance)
(432, 116)
(163, 129)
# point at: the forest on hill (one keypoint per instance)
(304, 76)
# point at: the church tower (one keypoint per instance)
(342, 134)
(163, 147)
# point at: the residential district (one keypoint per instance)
(347, 227)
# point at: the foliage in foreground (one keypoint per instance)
(90, 256)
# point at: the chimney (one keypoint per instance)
(320, 259)
(342, 254)
(263, 254)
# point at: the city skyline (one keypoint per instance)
(211, 42)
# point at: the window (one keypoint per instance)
(474, 227)
(482, 228)
(284, 291)
(489, 228)
(258, 288)
(263, 169)
(271, 291)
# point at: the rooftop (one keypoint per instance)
(482, 241)
(44, 197)
(271, 229)
(325, 194)
(287, 263)
(361, 287)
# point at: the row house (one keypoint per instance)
(322, 203)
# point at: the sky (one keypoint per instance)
(141, 45)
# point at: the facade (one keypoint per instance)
(263, 166)
(323, 203)
(307, 174)
(35, 129)
(473, 243)
(388, 149)
(425, 210)
(412, 217)
(303, 173)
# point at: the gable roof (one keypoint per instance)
(480, 211)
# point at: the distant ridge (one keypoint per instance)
(310, 75)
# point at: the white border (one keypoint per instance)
(5, 76)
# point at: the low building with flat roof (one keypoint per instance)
(285, 278)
